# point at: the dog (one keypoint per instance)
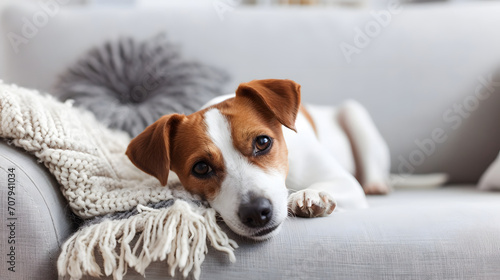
(243, 152)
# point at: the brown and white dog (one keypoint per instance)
(241, 152)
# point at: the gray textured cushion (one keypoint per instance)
(129, 84)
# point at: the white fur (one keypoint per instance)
(331, 135)
(241, 178)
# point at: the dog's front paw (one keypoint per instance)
(311, 203)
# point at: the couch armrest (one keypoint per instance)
(38, 220)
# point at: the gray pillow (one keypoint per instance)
(128, 84)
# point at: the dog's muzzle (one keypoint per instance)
(256, 213)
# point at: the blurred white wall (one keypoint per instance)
(3, 37)
(171, 2)
(363, 4)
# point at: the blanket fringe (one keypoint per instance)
(177, 234)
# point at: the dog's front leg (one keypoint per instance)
(310, 203)
(322, 198)
(322, 185)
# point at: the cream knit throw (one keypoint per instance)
(102, 186)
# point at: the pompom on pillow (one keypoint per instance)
(128, 84)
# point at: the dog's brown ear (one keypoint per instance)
(281, 97)
(150, 150)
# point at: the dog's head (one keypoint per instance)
(232, 153)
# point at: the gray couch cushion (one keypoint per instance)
(42, 219)
(447, 233)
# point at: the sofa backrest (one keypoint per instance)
(422, 71)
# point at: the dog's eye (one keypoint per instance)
(201, 169)
(262, 144)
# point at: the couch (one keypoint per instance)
(426, 69)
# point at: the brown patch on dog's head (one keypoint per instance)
(150, 150)
(247, 123)
(177, 142)
(281, 98)
(261, 107)
(192, 145)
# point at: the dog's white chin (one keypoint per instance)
(254, 234)
(268, 235)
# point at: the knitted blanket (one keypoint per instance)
(130, 219)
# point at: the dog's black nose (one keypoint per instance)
(256, 213)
